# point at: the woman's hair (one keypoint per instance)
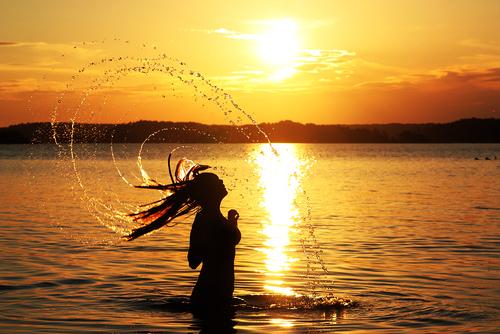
(185, 196)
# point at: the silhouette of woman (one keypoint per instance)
(213, 237)
(212, 242)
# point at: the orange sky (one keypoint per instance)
(308, 61)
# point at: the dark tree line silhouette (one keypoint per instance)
(462, 131)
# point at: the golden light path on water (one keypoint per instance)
(279, 178)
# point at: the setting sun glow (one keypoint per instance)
(324, 62)
(278, 47)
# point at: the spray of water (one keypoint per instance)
(100, 78)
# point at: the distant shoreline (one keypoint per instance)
(471, 130)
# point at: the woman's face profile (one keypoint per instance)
(218, 187)
(223, 189)
(211, 186)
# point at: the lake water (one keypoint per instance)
(410, 233)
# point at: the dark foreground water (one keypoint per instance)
(409, 233)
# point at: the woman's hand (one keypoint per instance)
(232, 216)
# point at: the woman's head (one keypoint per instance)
(208, 189)
(202, 191)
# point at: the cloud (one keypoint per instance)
(315, 61)
(36, 55)
(344, 70)
(318, 65)
(308, 70)
(446, 96)
(488, 76)
(227, 33)
(47, 64)
(481, 45)
(440, 80)
(4, 43)
(234, 34)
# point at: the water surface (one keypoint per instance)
(409, 232)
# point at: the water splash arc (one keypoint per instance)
(113, 70)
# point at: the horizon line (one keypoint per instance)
(253, 124)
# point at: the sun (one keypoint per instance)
(278, 45)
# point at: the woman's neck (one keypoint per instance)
(212, 209)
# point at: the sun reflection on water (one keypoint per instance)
(279, 178)
(284, 323)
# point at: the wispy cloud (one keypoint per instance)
(486, 78)
(5, 43)
(444, 80)
(29, 60)
(309, 24)
(227, 33)
(446, 96)
(310, 69)
(481, 45)
(316, 61)
(233, 34)
(310, 64)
